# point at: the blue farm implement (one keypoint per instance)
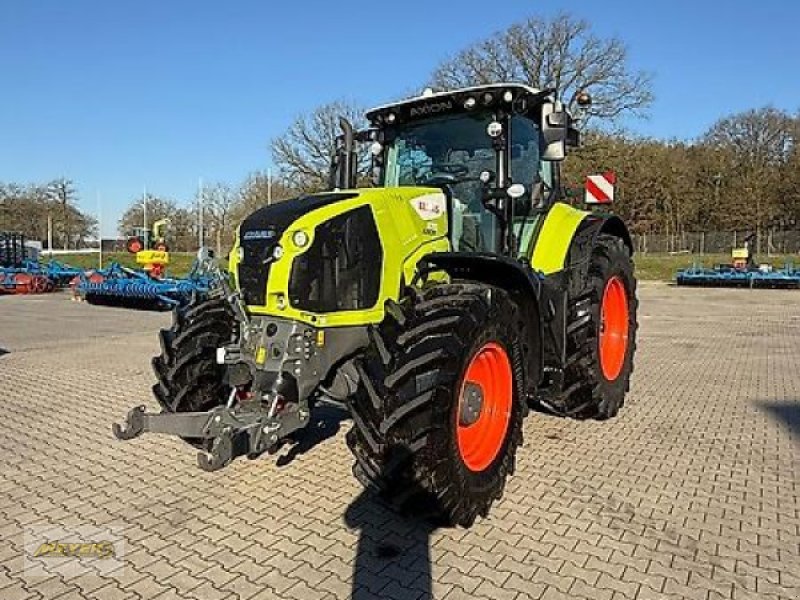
(22, 273)
(14, 281)
(33, 277)
(131, 288)
(727, 276)
(742, 272)
(59, 273)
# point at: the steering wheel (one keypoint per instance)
(446, 173)
(450, 168)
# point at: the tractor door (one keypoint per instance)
(536, 175)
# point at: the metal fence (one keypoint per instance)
(717, 242)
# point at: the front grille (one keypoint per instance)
(254, 272)
(259, 233)
(342, 268)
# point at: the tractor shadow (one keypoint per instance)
(786, 412)
(326, 423)
(393, 558)
(393, 552)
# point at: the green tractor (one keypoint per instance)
(437, 305)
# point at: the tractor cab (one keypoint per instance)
(492, 149)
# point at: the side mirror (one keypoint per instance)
(554, 128)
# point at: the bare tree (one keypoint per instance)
(133, 217)
(760, 143)
(219, 201)
(260, 189)
(303, 153)
(183, 229)
(28, 208)
(63, 192)
(560, 54)
(758, 137)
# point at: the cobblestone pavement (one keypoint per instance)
(692, 492)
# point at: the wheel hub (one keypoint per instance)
(471, 404)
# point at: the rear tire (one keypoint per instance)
(601, 345)
(189, 378)
(410, 438)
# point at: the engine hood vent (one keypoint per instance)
(260, 232)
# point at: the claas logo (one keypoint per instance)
(75, 550)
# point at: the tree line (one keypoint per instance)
(743, 173)
(223, 207)
(37, 209)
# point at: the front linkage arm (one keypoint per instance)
(251, 429)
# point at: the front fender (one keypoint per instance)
(524, 285)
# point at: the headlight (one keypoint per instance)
(300, 238)
(277, 252)
(240, 254)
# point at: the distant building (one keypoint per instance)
(113, 244)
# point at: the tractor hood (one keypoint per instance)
(260, 232)
(334, 258)
(277, 217)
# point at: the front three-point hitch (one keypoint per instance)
(227, 432)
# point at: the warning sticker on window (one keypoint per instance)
(430, 206)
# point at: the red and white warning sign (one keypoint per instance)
(600, 188)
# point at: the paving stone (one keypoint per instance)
(693, 491)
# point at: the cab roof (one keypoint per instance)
(431, 103)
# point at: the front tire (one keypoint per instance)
(189, 378)
(601, 333)
(438, 417)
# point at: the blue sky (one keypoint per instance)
(118, 95)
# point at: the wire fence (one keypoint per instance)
(717, 242)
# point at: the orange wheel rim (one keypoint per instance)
(484, 407)
(614, 318)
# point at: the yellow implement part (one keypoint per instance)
(159, 227)
(152, 257)
(556, 235)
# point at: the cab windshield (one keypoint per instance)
(455, 150)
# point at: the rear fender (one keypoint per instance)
(568, 234)
(563, 253)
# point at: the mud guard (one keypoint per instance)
(522, 282)
(562, 254)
